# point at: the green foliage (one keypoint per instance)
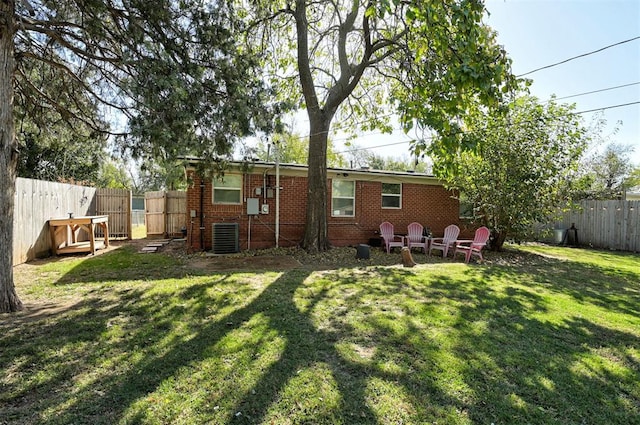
(56, 126)
(452, 64)
(518, 175)
(294, 149)
(428, 61)
(59, 154)
(114, 175)
(362, 157)
(633, 181)
(169, 74)
(160, 175)
(606, 175)
(200, 92)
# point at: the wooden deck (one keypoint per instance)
(79, 247)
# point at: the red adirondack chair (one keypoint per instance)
(390, 239)
(473, 247)
(443, 244)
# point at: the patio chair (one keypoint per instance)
(415, 238)
(443, 244)
(390, 239)
(473, 247)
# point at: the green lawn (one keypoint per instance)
(139, 232)
(540, 335)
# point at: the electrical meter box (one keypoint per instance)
(265, 208)
(252, 206)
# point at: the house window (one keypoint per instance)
(391, 195)
(227, 189)
(343, 198)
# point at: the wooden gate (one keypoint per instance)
(166, 213)
(116, 203)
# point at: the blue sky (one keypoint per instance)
(537, 33)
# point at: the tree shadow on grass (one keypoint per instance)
(144, 360)
(227, 349)
(531, 370)
(555, 366)
(605, 285)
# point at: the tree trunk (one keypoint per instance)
(9, 300)
(497, 240)
(315, 235)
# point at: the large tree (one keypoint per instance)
(518, 175)
(172, 68)
(606, 174)
(362, 60)
(56, 135)
(9, 300)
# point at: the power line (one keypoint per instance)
(579, 56)
(335, 130)
(407, 141)
(607, 107)
(597, 91)
(375, 147)
(468, 132)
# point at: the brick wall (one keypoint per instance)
(431, 205)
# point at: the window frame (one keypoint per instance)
(394, 195)
(334, 197)
(237, 189)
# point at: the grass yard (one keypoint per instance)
(138, 232)
(539, 335)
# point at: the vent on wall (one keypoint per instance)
(225, 238)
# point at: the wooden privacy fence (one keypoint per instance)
(37, 201)
(166, 213)
(606, 224)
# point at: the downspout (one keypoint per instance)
(246, 188)
(201, 214)
(277, 155)
(264, 177)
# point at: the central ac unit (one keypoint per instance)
(225, 238)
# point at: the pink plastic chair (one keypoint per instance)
(415, 238)
(390, 239)
(474, 247)
(443, 244)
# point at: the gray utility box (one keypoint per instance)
(252, 206)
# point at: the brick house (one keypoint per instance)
(244, 210)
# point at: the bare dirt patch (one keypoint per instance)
(287, 258)
(34, 311)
